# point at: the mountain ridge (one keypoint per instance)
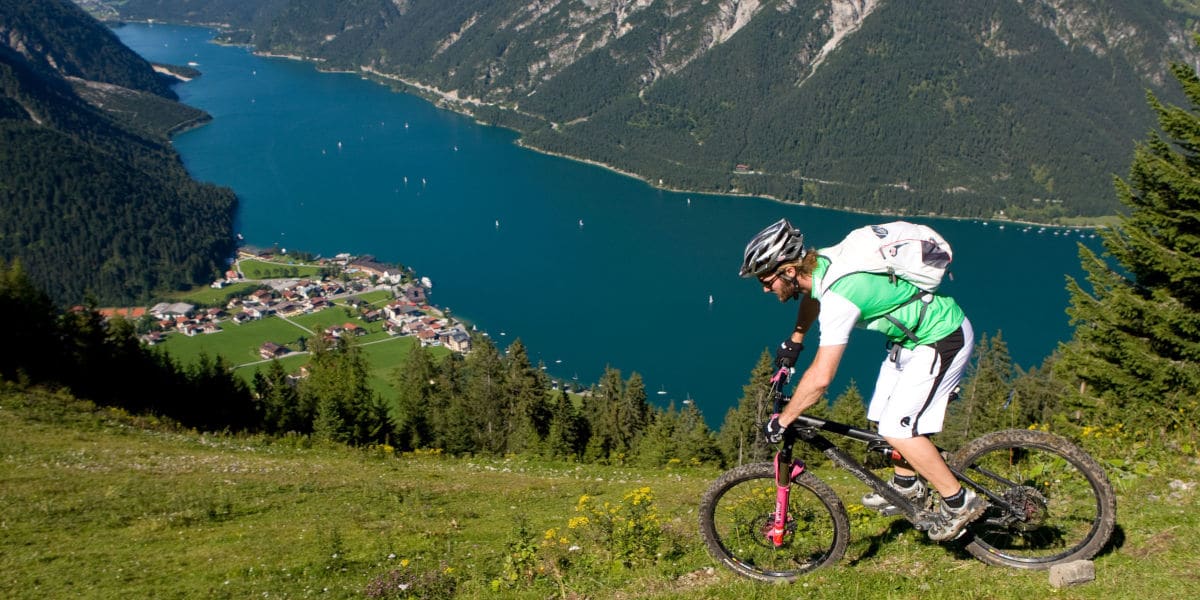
(1021, 109)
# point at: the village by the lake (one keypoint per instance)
(270, 304)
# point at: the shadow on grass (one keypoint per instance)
(1115, 541)
(875, 542)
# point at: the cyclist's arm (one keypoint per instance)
(810, 309)
(813, 383)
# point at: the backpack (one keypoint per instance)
(909, 251)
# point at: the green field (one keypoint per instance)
(259, 269)
(239, 344)
(209, 296)
(98, 504)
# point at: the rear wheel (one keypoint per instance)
(738, 507)
(1064, 506)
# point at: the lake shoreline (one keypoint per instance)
(451, 101)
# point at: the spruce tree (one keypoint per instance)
(278, 402)
(602, 409)
(633, 414)
(486, 395)
(451, 417)
(982, 404)
(567, 429)
(695, 443)
(659, 444)
(850, 408)
(740, 440)
(348, 410)
(528, 418)
(1038, 396)
(30, 351)
(1136, 349)
(415, 389)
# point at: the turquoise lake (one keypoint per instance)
(586, 266)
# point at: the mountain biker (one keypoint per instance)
(915, 380)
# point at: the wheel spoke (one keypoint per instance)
(737, 512)
(1061, 504)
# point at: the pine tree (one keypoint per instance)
(602, 409)
(486, 395)
(740, 438)
(415, 384)
(451, 417)
(1136, 349)
(850, 408)
(567, 428)
(633, 414)
(694, 441)
(528, 418)
(982, 404)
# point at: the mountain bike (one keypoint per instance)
(1049, 502)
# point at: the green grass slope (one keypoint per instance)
(99, 504)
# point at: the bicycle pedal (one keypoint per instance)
(890, 511)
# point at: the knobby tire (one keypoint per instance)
(738, 506)
(1069, 503)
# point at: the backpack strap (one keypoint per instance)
(910, 333)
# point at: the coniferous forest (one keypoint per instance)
(95, 204)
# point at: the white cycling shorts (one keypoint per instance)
(914, 385)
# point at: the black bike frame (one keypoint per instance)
(807, 428)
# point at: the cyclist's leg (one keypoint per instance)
(911, 403)
(889, 377)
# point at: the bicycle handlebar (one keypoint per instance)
(778, 380)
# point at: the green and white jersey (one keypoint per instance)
(862, 300)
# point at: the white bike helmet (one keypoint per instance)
(780, 243)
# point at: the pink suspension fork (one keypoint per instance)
(783, 479)
(786, 469)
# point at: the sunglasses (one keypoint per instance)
(769, 281)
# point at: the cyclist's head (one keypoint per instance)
(774, 247)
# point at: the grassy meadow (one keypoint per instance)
(238, 344)
(95, 503)
(261, 269)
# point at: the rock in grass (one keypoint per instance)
(1072, 573)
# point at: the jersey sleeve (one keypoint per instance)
(837, 319)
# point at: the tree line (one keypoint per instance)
(485, 403)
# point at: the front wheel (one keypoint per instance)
(1063, 506)
(739, 506)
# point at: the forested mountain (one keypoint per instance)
(96, 203)
(966, 108)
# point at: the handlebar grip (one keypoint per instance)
(778, 380)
